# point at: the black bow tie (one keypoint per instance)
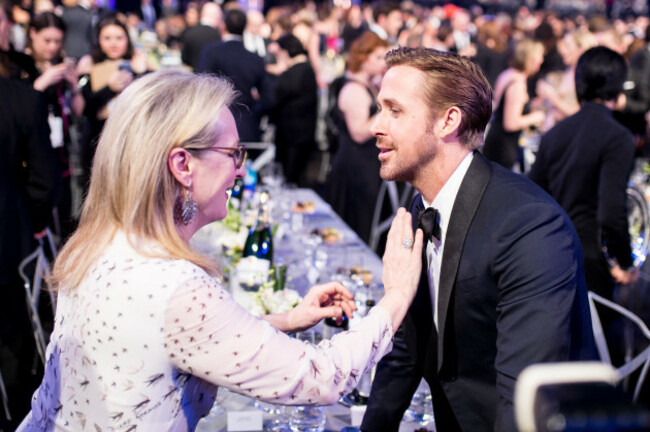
(428, 222)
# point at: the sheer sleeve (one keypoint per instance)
(211, 336)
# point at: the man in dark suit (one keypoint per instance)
(585, 162)
(29, 181)
(196, 37)
(247, 72)
(502, 285)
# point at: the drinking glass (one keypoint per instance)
(216, 419)
(421, 408)
(307, 418)
(272, 174)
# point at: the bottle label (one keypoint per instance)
(252, 272)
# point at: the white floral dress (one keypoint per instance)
(143, 344)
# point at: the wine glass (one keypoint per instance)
(272, 176)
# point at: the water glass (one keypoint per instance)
(421, 408)
(307, 419)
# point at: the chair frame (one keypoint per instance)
(377, 227)
(640, 360)
(5, 398)
(33, 284)
(267, 155)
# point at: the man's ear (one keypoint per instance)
(181, 166)
(450, 122)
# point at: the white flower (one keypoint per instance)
(273, 302)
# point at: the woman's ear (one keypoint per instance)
(180, 165)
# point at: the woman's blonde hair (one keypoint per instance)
(523, 50)
(131, 186)
(584, 39)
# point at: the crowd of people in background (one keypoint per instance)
(283, 60)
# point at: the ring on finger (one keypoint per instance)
(407, 243)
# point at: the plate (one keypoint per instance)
(304, 207)
(329, 235)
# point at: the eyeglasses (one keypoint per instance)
(238, 154)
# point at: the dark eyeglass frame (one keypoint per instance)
(238, 154)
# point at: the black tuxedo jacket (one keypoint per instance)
(229, 58)
(511, 294)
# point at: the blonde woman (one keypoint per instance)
(560, 93)
(511, 110)
(144, 331)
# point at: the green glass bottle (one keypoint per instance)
(259, 242)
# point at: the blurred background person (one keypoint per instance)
(57, 80)
(256, 33)
(388, 21)
(354, 180)
(13, 64)
(637, 95)
(492, 49)
(114, 65)
(512, 112)
(584, 163)
(194, 38)
(559, 90)
(246, 70)
(353, 26)
(295, 109)
(78, 38)
(29, 181)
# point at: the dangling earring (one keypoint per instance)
(185, 211)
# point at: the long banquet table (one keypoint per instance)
(293, 247)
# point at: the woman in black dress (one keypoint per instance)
(115, 63)
(354, 180)
(295, 109)
(57, 82)
(512, 113)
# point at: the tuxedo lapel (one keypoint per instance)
(462, 214)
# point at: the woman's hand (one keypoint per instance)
(51, 75)
(329, 300)
(402, 267)
(119, 80)
(139, 62)
(624, 277)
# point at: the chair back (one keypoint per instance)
(388, 189)
(633, 363)
(35, 270)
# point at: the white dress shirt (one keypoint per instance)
(444, 203)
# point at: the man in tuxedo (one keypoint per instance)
(247, 72)
(585, 162)
(502, 285)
